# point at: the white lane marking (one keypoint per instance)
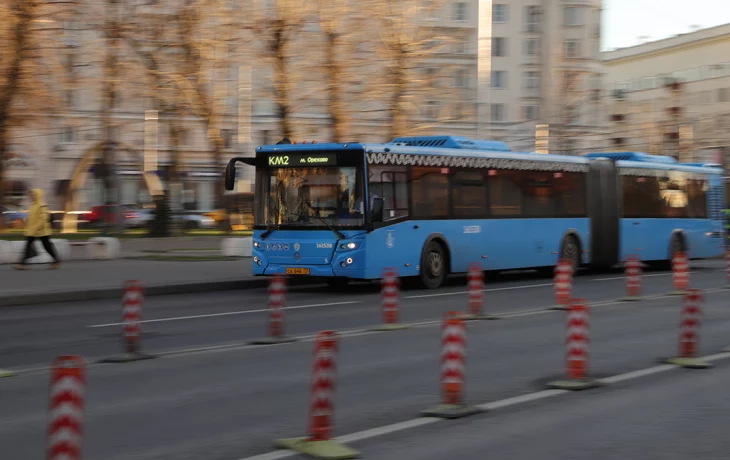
(653, 274)
(514, 401)
(637, 374)
(521, 399)
(229, 313)
(509, 288)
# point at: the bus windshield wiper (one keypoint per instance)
(334, 230)
(268, 232)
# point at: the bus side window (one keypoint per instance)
(391, 184)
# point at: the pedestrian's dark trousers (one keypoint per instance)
(47, 245)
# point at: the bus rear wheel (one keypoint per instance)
(433, 265)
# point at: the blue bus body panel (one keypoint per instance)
(651, 238)
(497, 244)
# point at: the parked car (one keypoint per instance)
(14, 218)
(198, 221)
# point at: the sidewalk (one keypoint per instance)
(87, 280)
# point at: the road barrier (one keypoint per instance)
(577, 333)
(690, 323)
(563, 284)
(475, 288)
(633, 278)
(319, 443)
(66, 408)
(277, 301)
(390, 301)
(453, 370)
(680, 273)
(132, 298)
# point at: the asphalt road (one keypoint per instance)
(231, 403)
(678, 416)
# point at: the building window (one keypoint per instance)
(499, 79)
(457, 110)
(532, 80)
(529, 112)
(532, 46)
(497, 112)
(573, 16)
(68, 135)
(499, 13)
(227, 136)
(431, 110)
(499, 47)
(459, 11)
(572, 48)
(70, 99)
(461, 79)
(532, 18)
(723, 95)
(431, 77)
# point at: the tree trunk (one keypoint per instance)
(25, 10)
(334, 87)
(399, 118)
(282, 78)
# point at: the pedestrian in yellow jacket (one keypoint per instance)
(38, 226)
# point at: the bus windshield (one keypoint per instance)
(310, 198)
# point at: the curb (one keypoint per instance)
(149, 291)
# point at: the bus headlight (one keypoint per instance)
(349, 260)
(350, 245)
(257, 244)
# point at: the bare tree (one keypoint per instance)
(28, 63)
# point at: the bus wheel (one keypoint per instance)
(338, 284)
(433, 265)
(571, 251)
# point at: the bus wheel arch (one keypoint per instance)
(435, 261)
(571, 247)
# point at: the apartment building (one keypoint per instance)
(671, 96)
(495, 69)
(542, 68)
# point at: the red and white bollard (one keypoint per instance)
(66, 409)
(690, 323)
(633, 278)
(577, 335)
(132, 315)
(321, 403)
(563, 284)
(475, 288)
(276, 303)
(390, 300)
(680, 273)
(453, 370)
(132, 298)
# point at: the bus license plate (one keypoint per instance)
(297, 271)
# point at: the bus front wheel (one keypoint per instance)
(433, 265)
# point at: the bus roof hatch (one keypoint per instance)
(451, 142)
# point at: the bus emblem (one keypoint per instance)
(390, 238)
(297, 246)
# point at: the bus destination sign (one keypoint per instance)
(296, 160)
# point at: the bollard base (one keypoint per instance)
(128, 358)
(272, 341)
(331, 450)
(6, 374)
(689, 363)
(390, 327)
(559, 307)
(573, 385)
(634, 298)
(469, 317)
(451, 411)
(678, 293)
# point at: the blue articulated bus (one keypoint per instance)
(430, 206)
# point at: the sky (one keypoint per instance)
(624, 21)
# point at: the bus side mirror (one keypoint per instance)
(231, 175)
(377, 210)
